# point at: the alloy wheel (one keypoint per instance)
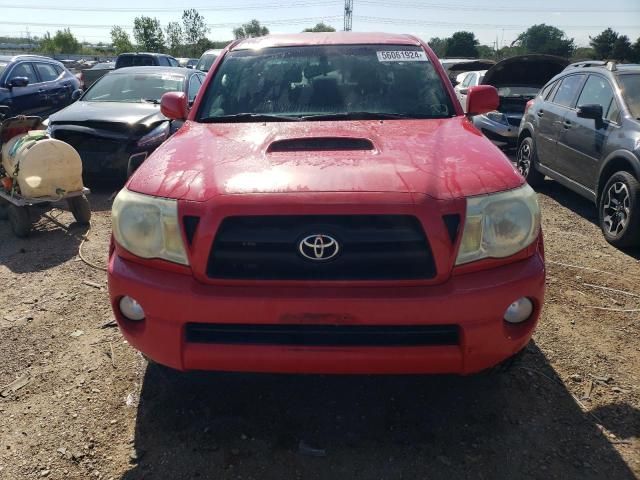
(616, 208)
(523, 159)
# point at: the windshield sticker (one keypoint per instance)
(402, 56)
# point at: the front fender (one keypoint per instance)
(615, 156)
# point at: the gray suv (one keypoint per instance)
(583, 130)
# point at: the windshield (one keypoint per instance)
(518, 91)
(205, 62)
(630, 88)
(2, 67)
(328, 80)
(133, 87)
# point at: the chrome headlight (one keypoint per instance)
(499, 225)
(148, 226)
(497, 117)
(155, 137)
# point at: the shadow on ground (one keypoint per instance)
(578, 204)
(518, 424)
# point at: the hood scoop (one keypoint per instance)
(320, 144)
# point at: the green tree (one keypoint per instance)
(546, 39)
(320, 27)
(251, 29)
(120, 40)
(148, 34)
(635, 51)
(485, 51)
(438, 45)
(462, 44)
(62, 42)
(603, 44)
(622, 49)
(194, 26)
(583, 53)
(175, 37)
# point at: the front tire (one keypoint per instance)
(80, 209)
(619, 210)
(525, 162)
(20, 220)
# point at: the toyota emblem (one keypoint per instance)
(319, 247)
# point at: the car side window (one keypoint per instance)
(194, 86)
(567, 91)
(173, 62)
(468, 79)
(25, 70)
(545, 91)
(612, 112)
(46, 71)
(164, 61)
(596, 91)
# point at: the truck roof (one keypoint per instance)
(325, 38)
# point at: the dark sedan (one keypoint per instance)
(117, 123)
(34, 85)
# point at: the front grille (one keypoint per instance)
(323, 335)
(87, 143)
(371, 247)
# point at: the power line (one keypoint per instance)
(456, 7)
(292, 4)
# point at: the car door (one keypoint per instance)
(28, 100)
(56, 88)
(581, 140)
(550, 115)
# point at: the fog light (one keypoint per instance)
(518, 311)
(131, 309)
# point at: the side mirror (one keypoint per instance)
(18, 82)
(190, 67)
(76, 94)
(482, 99)
(173, 105)
(593, 111)
(464, 91)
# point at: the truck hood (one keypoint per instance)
(145, 114)
(443, 158)
(533, 70)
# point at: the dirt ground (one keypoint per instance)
(86, 405)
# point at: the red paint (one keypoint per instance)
(482, 99)
(423, 168)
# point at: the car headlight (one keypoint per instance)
(497, 117)
(155, 137)
(148, 226)
(499, 225)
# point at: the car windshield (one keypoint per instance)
(133, 87)
(205, 62)
(2, 67)
(329, 81)
(630, 87)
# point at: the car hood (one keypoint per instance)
(526, 70)
(443, 158)
(145, 114)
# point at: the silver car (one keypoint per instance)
(466, 81)
(518, 80)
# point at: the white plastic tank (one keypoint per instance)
(46, 167)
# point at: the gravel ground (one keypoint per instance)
(83, 404)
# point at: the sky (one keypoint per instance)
(492, 21)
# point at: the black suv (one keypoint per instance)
(34, 85)
(144, 59)
(583, 130)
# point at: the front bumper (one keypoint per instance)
(475, 302)
(495, 131)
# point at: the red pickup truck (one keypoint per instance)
(327, 208)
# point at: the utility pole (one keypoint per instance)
(348, 15)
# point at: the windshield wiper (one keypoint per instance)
(362, 116)
(249, 117)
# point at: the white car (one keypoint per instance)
(471, 79)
